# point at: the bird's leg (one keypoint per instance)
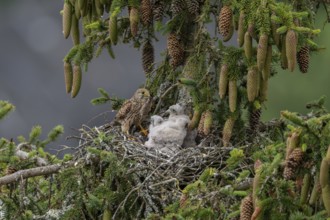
(143, 131)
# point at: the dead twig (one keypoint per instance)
(38, 171)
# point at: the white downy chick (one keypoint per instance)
(155, 121)
(175, 111)
(170, 134)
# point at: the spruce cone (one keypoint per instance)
(66, 19)
(252, 31)
(291, 49)
(83, 5)
(284, 59)
(303, 59)
(275, 35)
(292, 163)
(175, 50)
(227, 131)
(193, 6)
(146, 12)
(148, 57)
(240, 33)
(263, 93)
(76, 84)
(77, 10)
(254, 121)
(223, 81)
(252, 83)
(10, 170)
(232, 93)
(177, 6)
(113, 32)
(208, 120)
(98, 8)
(200, 128)
(267, 68)
(246, 208)
(225, 23)
(292, 142)
(158, 10)
(262, 51)
(68, 76)
(75, 30)
(194, 122)
(248, 45)
(134, 21)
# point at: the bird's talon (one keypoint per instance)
(144, 131)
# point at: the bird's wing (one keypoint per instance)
(124, 110)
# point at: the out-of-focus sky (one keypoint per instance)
(31, 69)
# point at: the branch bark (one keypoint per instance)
(37, 171)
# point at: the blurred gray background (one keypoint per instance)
(31, 68)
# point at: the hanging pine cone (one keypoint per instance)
(247, 45)
(291, 48)
(275, 35)
(76, 81)
(284, 59)
(10, 170)
(148, 57)
(223, 81)
(68, 76)
(268, 63)
(177, 6)
(207, 122)
(246, 208)
(303, 59)
(146, 12)
(158, 10)
(175, 50)
(66, 19)
(262, 51)
(292, 163)
(134, 20)
(252, 83)
(200, 128)
(263, 91)
(232, 94)
(254, 121)
(194, 122)
(193, 6)
(113, 29)
(75, 35)
(240, 31)
(225, 23)
(227, 131)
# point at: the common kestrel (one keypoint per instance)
(134, 110)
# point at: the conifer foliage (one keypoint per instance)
(237, 168)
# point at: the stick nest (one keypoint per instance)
(158, 178)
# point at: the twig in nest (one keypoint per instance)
(165, 93)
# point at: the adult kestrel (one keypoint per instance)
(134, 110)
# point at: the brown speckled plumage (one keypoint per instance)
(134, 110)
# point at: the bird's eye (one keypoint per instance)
(142, 93)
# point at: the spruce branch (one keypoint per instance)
(33, 172)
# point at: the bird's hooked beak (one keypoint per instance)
(146, 94)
